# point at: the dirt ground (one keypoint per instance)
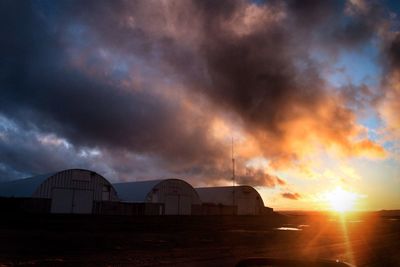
(60, 240)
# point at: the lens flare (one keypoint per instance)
(341, 200)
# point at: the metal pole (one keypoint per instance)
(233, 180)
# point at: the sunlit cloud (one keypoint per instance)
(53, 140)
(293, 196)
(169, 88)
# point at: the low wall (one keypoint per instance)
(24, 205)
(127, 209)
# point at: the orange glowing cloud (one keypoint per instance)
(293, 196)
(369, 149)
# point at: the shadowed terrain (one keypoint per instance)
(363, 239)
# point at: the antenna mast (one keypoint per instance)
(233, 166)
(233, 180)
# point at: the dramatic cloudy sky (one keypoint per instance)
(308, 90)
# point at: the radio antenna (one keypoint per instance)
(233, 177)
(233, 165)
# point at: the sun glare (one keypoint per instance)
(341, 200)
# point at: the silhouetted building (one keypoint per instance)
(176, 196)
(68, 191)
(240, 200)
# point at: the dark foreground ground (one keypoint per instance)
(364, 240)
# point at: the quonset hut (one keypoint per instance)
(68, 191)
(245, 199)
(176, 196)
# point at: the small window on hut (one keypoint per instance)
(106, 192)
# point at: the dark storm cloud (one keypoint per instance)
(22, 154)
(42, 90)
(393, 52)
(265, 73)
(364, 20)
(128, 77)
(389, 102)
(257, 177)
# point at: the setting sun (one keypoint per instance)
(341, 200)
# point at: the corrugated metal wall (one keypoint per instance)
(78, 180)
(176, 195)
(172, 187)
(246, 199)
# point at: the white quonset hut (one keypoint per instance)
(70, 191)
(177, 196)
(247, 200)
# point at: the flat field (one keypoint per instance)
(368, 239)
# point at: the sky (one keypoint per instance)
(308, 91)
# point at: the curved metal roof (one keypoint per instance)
(135, 191)
(138, 190)
(23, 187)
(223, 194)
(28, 186)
